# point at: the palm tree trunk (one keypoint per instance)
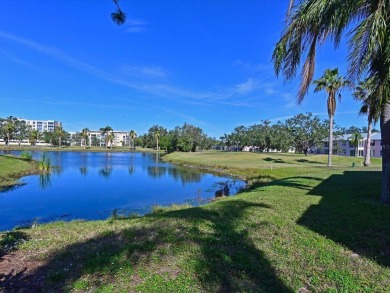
(330, 140)
(367, 156)
(385, 133)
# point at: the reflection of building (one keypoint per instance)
(96, 138)
(343, 146)
(43, 125)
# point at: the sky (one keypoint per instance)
(203, 62)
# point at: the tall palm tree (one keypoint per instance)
(9, 129)
(157, 137)
(104, 131)
(84, 135)
(332, 83)
(310, 23)
(369, 107)
(132, 136)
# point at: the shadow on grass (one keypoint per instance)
(308, 161)
(294, 182)
(350, 214)
(206, 244)
(10, 241)
(269, 159)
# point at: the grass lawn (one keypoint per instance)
(307, 228)
(12, 168)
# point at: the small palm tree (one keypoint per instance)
(84, 135)
(132, 136)
(104, 132)
(110, 138)
(34, 137)
(60, 133)
(332, 83)
(371, 107)
(355, 139)
(9, 129)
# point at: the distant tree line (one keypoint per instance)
(300, 132)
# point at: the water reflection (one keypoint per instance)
(44, 180)
(89, 185)
(156, 171)
(185, 175)
(105, 172)
(84, 171)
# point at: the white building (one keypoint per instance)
(96, 138)
(43, 125)
(343, 146)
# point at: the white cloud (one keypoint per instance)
(136, 26)
(246, 87)
(144, 71)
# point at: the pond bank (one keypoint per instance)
(13, 168)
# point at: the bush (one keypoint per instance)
(26, 156)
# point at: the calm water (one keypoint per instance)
(88, 185)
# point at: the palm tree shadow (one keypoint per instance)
(226, 258)
(350, 213)
(293, 182)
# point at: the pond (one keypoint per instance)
(92, 185)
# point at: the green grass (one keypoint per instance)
(308, 227)
(12, 168)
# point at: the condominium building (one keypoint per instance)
(343, 146)
(96, 138)
(43, 125)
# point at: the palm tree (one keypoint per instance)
(104, 132)
(34, 137)
(369, 107)
(355, 139)
(132, 136)
(84, 135)
(157, 137)
(332, 83)
(9, 129)
(312, 22)
(60, 133)
(119, 17)
(111, 138)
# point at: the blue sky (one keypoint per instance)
(207, 63)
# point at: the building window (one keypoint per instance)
(372, 142)
(344, 152)
(335, 151)
(360, 153)
(351, 153)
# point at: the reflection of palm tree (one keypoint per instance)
(131, 170)
(44, 180)
(331, 82)
(105, 172)
(156, 171)
(84, 170)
